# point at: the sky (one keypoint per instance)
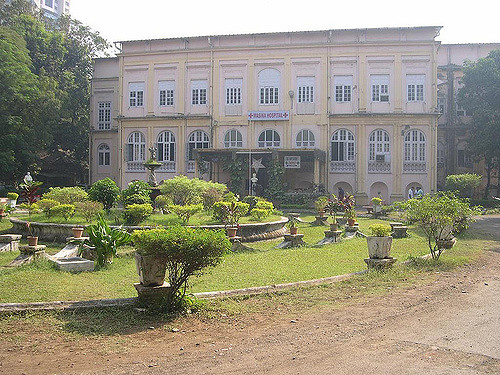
(120, 20)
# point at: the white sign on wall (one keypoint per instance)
(268, 116)
(292, 162)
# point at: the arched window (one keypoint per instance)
(136, 147)
(305, 138)
(342, 146)
(104, 155)
(166, 146)
(379, 145)
(269, 139)
(414, 147)
(197, 139)
(233, 139)
(269, 85)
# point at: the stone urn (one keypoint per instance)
(379, 247)
(151, 269)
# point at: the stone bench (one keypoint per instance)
(369, 209)
(9, 242)
(400, 231)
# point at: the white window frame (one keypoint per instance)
(233, 139)
(166, 93)
(414, 149)
(380, 88)
(269, 138)
(136, 94)
(379, 143)
(233, 90)
(136, 147)
(305, 89)
(269, 86)
(104, 115)
(103, 155)
(343, 88)
(305, 139)
(199, 92)
(197, 139)
(165, 143)
(415, 87)
(342, 146)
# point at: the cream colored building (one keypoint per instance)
(340, 108)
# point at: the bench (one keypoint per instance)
(369, 209)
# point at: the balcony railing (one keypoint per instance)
(167, 166)
(190, 166)
(415, 167)
(342, 167)
(379, 167)
(135, 166)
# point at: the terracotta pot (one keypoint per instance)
(2, 211)
(151, 269)
(32, 241)
(351, 222)
(77, 232)
(294, 230)
(231, 232)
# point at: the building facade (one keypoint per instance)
(355, 109)
(51, 8)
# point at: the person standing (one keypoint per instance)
(410, 193)
(341, 193)
(419, 193)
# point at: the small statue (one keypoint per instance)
(153, 151)
(28, 179)
(254, 181)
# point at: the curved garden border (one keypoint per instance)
(60, 232)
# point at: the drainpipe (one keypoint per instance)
(327, 164)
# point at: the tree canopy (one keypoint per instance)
(45, 73)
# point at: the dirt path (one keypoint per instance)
(451, 326)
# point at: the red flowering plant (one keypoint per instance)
(349, 203)
(333, 206)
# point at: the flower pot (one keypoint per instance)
(377, 208)
(77, 232)
(151, 269)
(379, 247)
(231, 232)
(12, 203)
(351, 222)
(446, 243)
(334, 226)
(32, 241)
(321, 213)
(294, 230)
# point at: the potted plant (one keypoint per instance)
(149, 256)
(380, 242)
(332, 207)
(12, 199)
(292, 225)
(77, 232)
(349, 213)
(2, 208)
(32, 240)
(320, 205)
(377, 205)
(232, 212)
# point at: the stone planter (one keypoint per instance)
(32, 241)
(379, 247)
(77, 232)
(151, 269)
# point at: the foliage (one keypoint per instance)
(162, 202)
(187, 252)
(229, 213)
(134, 189)
(229, 196)
(275, 172)
(183, 190)
(479, 96)
(12, 196)
(380, 230)
(259, 214)
(376, 201)
(89, 209)
(116, 215)
(349, 204)
(333, 206)
(265, 205)
(64, 210)
(464, 184)
(136, 199)
(438, 215)
(320, 203)
(105, 191)
(185, 212)
(136, 213)
(237, 169)
(31, 208)
(210, 196)
(29, 191)
(46, 206)
(66, 195)
(105, 240)
(251, 200)
(292, 222)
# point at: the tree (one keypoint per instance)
(480, 96)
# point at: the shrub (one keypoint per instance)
(265, 205)
(31, 208)
(66, 195)
(185, 212)
(46, 206)
(136, 199)
(12, 196)
(210, 196)
(185, 190)
(259, 213)
(104, 191)
(251, 200)
(162, 202)
(380, 230)
(136, 213)
(187, 252)
(116, 215)
(229, 213)
(376, 201)
(320, 203)
(89, 209)
(464, 184)
(136, 187)
(64, 210)
(105, 240)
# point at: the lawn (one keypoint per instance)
(263, 265)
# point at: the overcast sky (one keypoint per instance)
(119, 20)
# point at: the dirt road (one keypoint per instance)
(451, 326)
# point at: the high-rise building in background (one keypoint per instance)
(51, 8)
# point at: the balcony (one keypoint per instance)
(190, 166)
(415, 167)
(342, 166)
(135, 166)
(379, 167)
(167, 166)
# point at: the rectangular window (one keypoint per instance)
(441, 104)
(199, 92)
(415, 87)
(380, 87)
(269, 95)
(461, 111)
(104, 115)
(305, 89)
(166, 93)
(233, 90)
(136, 94)
(343, 88)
